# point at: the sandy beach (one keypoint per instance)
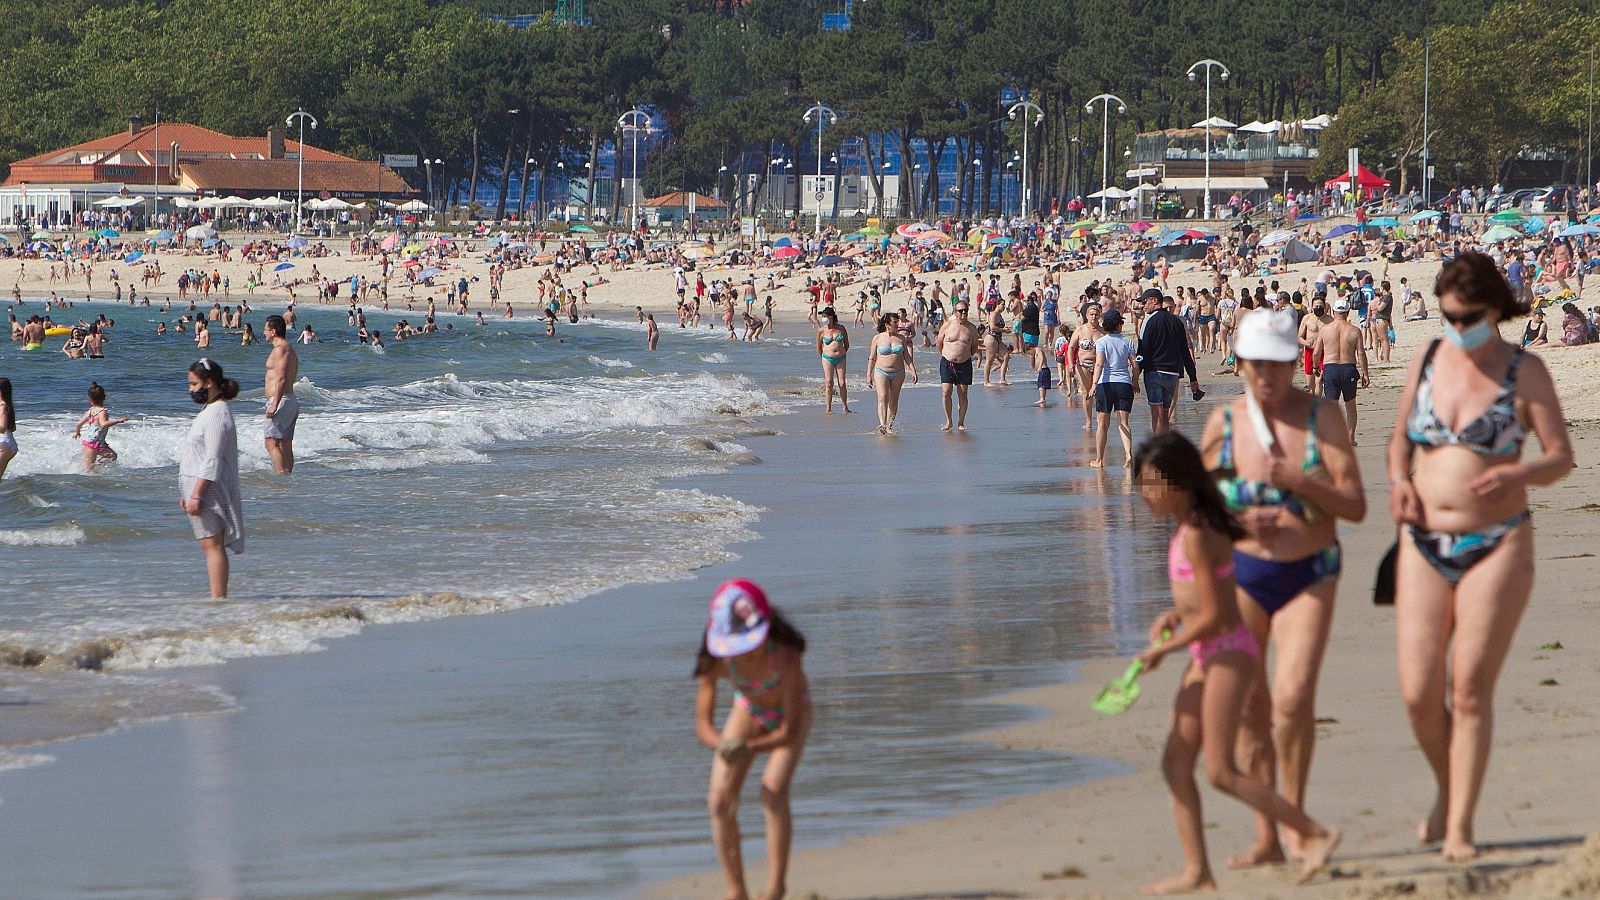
(1002, 494)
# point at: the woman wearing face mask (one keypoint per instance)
(1285, 467)
(1465, 563)
(208, 473)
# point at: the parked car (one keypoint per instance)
(1512, 200)
(1552, 199)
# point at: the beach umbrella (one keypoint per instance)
(1506, 217)
(110, 232)
(1308, 217)
(41, 235)
(412, 264)
(1000, 242)
(698, 253)
(783, 242)
(165, 235)
(1534, 224)
(412, 248)
(1341, 231)
(873, 231)
(282, 266)
(1578, 231)
(296, 242)
(545, 258)
(830, 260)
(1141, 226)
(1278, 237)
(414, 206)
(1214, 122)
(854, 252)
(390, 242)
(133, 257)
(1081, 231)
(271, 203)
(200, 232)
(850, 238)
(929, 238)
(1384, 222)
(1501, 233)
(581, 229)
(429, 272)
(1110, 228)
(517, 245)
(786, 252)
(212, 242)
(912, 229)
(3, 239)
(38, 246)
(1426, 215)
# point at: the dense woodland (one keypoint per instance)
(731, 79)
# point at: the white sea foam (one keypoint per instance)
(714, 358)
(612, 363)
(57, 536)
(429, 422)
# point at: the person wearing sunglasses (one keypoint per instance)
(1465, 562)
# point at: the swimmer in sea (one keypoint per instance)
(652, 334)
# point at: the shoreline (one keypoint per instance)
(1108, 837)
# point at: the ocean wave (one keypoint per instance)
(432, 421)
(714, 358)
(611, 363)
(57, 536)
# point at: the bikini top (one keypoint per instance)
(1240, 493)
(1496, 432)
(765, 686)
(1178, 566)
(830, 338)
(891, 349)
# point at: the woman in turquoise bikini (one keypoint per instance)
(833, 345)
(889, 356)
(1465, 563)
(751, 645)
(1285, 467)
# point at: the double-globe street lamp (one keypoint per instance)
(1027, 106)
(825, 116)
(1208, 65)
(1105, 139)
(300, 168)
(635, 120)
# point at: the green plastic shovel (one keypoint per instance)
(1119, 694)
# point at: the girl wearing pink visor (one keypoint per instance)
(759, 652)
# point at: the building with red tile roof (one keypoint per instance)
(177, 159)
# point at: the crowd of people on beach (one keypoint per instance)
(1255, 561)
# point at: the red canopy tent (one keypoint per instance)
(1364, 178)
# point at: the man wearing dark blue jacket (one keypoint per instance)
(1163, 355)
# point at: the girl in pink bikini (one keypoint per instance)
(751, 645)
(1173, 481)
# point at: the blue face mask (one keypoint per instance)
(1472, 337)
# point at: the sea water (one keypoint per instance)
(482, 468)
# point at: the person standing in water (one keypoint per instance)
(95, 447)
(760, 653)
(652, 334)
(208, 473)
(958, 341)
(833, 346)
(283, 409)
(8, 426)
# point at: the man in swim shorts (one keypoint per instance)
(283, 409)
(1337, 349)
(957, 341)
(33, 334)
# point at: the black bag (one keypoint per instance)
(1383, 586)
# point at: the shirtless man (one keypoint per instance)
(652, 334)
(1309, 326)
(1338, 349)
(957, 341)
(283, 367)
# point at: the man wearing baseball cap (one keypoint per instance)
(1336, 349)
(1163, 354)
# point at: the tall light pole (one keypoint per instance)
(1027, 106)
(1590, 176)
(1208, 65)
(300, 162)
(635, 120)
(1105, 139)
(825, 116)
(1427, 77)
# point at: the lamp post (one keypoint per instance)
(825, 116)
(722, 171)
(1011, 167)
(977, 176)
(1208, 65)
(300, 162)
(1105, 139)
(1026, 106)
(833, 216)
(788, 167)
(916, 190)
(635, 120)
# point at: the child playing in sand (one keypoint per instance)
(95, 447)
(1173, 481)
(751, 645)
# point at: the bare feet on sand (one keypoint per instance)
(1317, 850)
(1183, 884)
(945, 427)
(1259, 855)
(1431, 829)
(1096, 464)
(1457, 850)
